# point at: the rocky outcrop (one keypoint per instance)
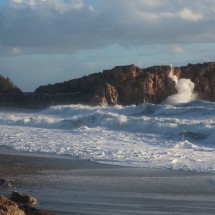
(127, 85)
(203, 76)
(23, 198)
(9, 207)
(105, 96)
(19, 204)
(123, 85)
(5, 183)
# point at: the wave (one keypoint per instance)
(172, 136)
(185, 88)
(193, 121)
(196, 108)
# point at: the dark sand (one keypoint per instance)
(71, 186)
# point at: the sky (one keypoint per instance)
(49, 41)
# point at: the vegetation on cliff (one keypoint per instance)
(7, 86)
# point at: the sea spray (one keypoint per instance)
(185, 88)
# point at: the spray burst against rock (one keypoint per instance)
(185, 88)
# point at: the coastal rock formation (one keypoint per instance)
(124, 85)
(5, 183)
(19, 204)
(203, 76)
(9, 207)
(23, 198)
(105, 96)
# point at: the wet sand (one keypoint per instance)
(71, 186)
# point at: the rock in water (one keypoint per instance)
(23, 198)
(5, 183)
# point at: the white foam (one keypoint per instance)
(180, 137)
(185, 145)
(185, 88)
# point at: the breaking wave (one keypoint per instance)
(178, 137)
(166, 120)
(185, 88)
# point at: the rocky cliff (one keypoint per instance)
(127, 85)
(203, 76)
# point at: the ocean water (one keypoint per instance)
(176, 136)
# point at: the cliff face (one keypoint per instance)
(129, 85)
(203, 75)
(124, 85)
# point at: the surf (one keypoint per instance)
(185, 88)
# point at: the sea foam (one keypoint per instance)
(185, 88)
(148, 135)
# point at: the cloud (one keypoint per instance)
(50, 25)
(16, 51)
(177, 50)
(17, 1)
(189, 15)
(59, 5)
(69, 26)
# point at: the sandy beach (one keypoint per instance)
(70, 186)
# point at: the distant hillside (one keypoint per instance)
(127, 85)
(7, 86)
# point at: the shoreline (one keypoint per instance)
(71, 186)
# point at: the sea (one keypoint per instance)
(177, 134)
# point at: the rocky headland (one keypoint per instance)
(127, 85)
(124, 85)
